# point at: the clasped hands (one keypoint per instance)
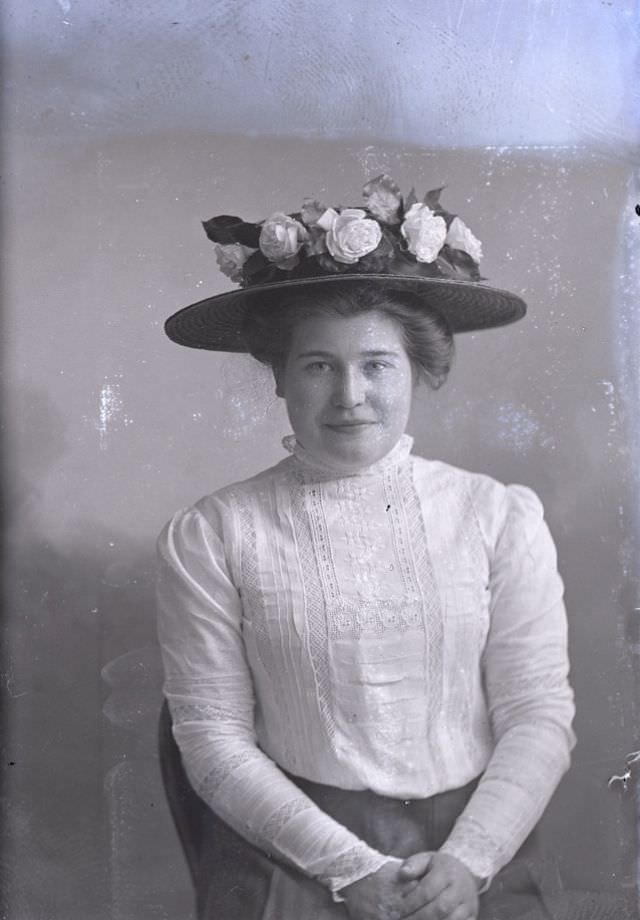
(426, 886)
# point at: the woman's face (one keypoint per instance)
(348, 385)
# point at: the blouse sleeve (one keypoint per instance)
(529, 698)
(209, 689)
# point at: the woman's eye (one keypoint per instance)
(376, 365)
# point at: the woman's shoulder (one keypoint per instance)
(214, 507)
(252, 486)
(494, 502)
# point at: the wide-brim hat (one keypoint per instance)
(395, 243)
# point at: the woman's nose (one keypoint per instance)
(349, 390)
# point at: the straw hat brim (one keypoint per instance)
(216, 322)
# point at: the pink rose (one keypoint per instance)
(460, 237)
(231, 257)
(350, 234)
(280, 239)
(424, 231)
(383, 199)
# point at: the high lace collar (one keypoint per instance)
(318, 469)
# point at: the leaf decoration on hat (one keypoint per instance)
(461, 262)
(446, 269)
(229, 229)
(259, 270)
(432, 200)
(410, 200)
(316, 243)
(330, 265)
(383, 198)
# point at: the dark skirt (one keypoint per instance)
(233, 880)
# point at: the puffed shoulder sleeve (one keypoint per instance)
(529, 699)
(209, 688)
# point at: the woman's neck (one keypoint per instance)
(398, 453)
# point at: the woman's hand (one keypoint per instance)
(378, 896)
(446, 889)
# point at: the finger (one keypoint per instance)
(429, 887)
(415, 866)
(446, 903)
(437, 910)
(425, 894)
(463, 912)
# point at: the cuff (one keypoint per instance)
(469, 844)
(366, 867)
(482, 881)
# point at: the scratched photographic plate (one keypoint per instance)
(125, 125)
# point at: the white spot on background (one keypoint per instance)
(610, 396)
(109, 408)
(517, 426)
(248, 396)
(65, 6)
(374, 161)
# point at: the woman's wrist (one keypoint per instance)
(481, 883)
(340, 895)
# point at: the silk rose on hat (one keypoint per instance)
(231, 259)
(460, 237)
(281, 239)
(424, 231)
(350, 234)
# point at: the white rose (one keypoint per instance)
(231, 258)
(460, 237)
(424, 231)
(280, 239)
(350, 234)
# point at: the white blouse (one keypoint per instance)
(400, 630)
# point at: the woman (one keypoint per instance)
(365, 651)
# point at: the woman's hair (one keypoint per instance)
(269, 324)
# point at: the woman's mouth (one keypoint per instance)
(349, 427)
